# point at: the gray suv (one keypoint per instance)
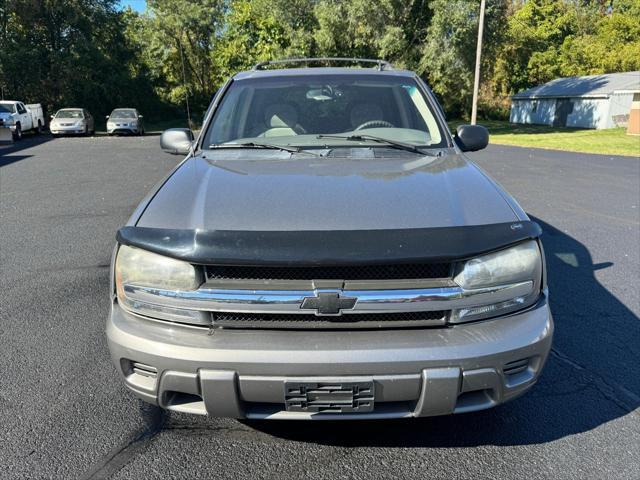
(326, 251)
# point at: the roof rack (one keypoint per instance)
(382, 64)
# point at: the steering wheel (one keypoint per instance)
(374, 124)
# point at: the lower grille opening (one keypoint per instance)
(518, 366)
(144, 370)
(139, 374)
(302, 321)
(520, 371)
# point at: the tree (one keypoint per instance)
(179, 38)
(250, 36)
(69, 53)
(448, 52)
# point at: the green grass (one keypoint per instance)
(613, 141)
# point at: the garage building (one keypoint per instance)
(595, 101)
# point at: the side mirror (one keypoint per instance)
(107, 117)
(471, 138)
(51, 116)
(176, 141)
(140, 116)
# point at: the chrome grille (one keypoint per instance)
(349, 272)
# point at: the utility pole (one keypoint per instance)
(476, 79)
(186, 88)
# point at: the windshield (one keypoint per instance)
(296, 110)
(7, 108)
(122, 113)
(69, 114)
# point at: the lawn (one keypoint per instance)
(613, 141)
(158, 126)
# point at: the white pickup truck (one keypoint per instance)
(19, 118)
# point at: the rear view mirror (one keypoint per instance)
(471, 138)
(176, 141)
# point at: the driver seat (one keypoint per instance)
(362, 113)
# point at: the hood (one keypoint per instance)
(223, 190)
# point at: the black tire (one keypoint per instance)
(17, 135)
(86, 131)
(40, 129)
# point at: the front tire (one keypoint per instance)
(40, 129)
(17, 135)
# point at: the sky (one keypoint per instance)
(137, 5)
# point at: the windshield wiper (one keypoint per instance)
(269, 146)
(391, 143)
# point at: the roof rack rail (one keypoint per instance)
(382, 64)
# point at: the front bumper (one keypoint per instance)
(66, 130)
(241, 374)
(112, 130)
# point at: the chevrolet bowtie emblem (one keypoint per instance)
(328, 303)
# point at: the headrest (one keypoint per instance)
(280, 115)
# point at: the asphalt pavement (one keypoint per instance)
(64, 412)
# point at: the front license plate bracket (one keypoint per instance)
(329, 397)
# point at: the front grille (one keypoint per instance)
(304, 321)
(351, 272)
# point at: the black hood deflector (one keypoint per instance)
(338, 247)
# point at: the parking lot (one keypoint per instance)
(65, 412)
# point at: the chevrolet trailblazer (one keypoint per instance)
(327, 251)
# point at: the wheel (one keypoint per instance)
(18, 133)
(86, 131)
(39, 127)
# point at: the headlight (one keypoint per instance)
(139, 268)
(514, 273)
(133, 124)
(9, 121)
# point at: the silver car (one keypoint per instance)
(125, 121)
(72, 121)
(327, 251)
